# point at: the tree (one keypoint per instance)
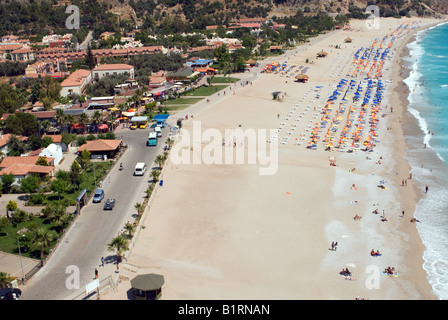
(169, 142)
(75, 170)
(16, 146)
(85, 158)
(118, 244)
(7, 181)
(159, 160)
(41, 161)
(59, 186)
(90, 60)
(139, 207)
(155, 174)
(68, 138)
(59, 117)
(130, 228)
(83, 119)
(10, 206)
(59, 216)
(29, 184)
(46, 141)
(42, 238)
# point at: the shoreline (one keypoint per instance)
(410, 195)
(200, 237)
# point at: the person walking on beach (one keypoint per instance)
(96, 273)
(102, 261)
(426, 189)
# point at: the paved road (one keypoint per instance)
(86, 241)
(87, 40)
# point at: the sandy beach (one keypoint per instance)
(225, 231)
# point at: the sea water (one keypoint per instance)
(428, 147)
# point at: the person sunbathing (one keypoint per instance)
(345, 272)
(374, 253)
(356, 217)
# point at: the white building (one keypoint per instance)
(106, 70)
(76, 82)
(53, 151)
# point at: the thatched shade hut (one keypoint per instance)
(322, 54)
(251, 62)
(348, 40)
(302, 78)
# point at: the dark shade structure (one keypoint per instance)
(148, 286)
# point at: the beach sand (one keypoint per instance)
(224, 231)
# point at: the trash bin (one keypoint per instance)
(161, 183)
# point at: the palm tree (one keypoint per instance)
(97, 117)
(59, 215)
(46, 124)
(159, 160)
(130, 228)
(139, 207)
(42, 238)
(69, 119)
(155, 174)
(59, 117)
(118, 245)
(169, 142)
(83, 119)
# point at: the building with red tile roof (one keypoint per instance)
(76, 82)
(22, 167)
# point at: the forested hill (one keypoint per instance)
(38, 17)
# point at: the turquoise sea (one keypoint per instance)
(428, 147)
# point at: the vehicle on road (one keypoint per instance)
(98, 196)
(140, 169)
(158, 130)
(109, 204)
(143, 125)
(133, 126)
(10, 294)
(152, 139)
(121, 167)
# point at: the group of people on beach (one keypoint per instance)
(389, 270)
(374, 253)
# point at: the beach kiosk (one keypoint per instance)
(322, 54)
(302, 78)
(148, 286)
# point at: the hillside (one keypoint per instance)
(176, 16)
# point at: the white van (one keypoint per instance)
(158, 130)
(140, 169)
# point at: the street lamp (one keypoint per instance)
(20, 254)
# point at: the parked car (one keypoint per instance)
(109, 204)
(10, 294)
(98, 196)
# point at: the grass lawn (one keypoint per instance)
(8, 238)
(224, 80)
(206, 91)
(8, 234)
(184, 100)
(87, 181)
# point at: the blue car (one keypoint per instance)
(98, 196)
